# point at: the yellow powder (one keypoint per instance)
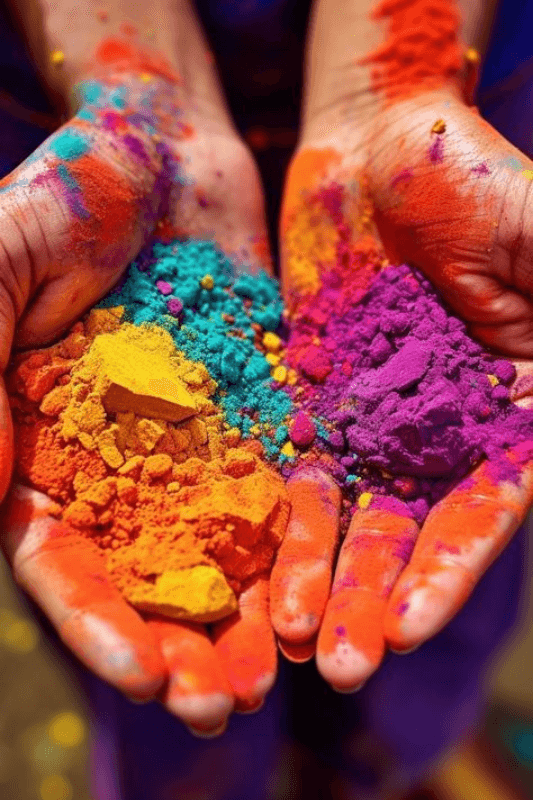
(200, 594)
(159, 399)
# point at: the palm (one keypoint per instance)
(455, 204)
(471, 240)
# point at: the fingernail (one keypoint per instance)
(353, 690)
(208, 734)
(405, 652)
(244, 708)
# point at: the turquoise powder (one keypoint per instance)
(202, 330)
(68, 144)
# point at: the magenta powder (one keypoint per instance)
(403, 393)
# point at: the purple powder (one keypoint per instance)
(164, 287)
(175, 307)
(419, 409)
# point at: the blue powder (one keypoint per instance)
(68, 144)
(86, 114)
(245, 388)
(117, 98)
(74, 196)
(90, 92)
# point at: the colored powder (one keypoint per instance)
(119, 428)
(407, 400)
(422, 49)
(221, 325)
(68, 144)
(124, 56)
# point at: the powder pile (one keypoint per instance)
(218, 318)
(408, 400)
(118, 427)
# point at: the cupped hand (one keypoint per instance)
(145, 148)
(456, 208)
(146, 151)
(198, 675)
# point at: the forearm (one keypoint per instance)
(163, 37)
(364, 54)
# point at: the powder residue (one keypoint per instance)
(221, 326)
(422, 49)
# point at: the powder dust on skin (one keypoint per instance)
(148, 422)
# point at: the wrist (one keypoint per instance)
(71, 40)
(352, 121)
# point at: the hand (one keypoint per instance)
(70, 225)
(374, 601)
(197, 676)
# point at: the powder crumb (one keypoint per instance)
(157, 466)
(57, 58)
(439, 127)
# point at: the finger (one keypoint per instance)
(246, 647)
(6, 441)
(461, 537)
(298, 653)
(378, 544)
(301, 576)
(197, 690)
(65, 574)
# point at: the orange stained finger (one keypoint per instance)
(298, 653)
(461, 537)
(301, 576)
(197, 690)
(245, 644)
(378, 544)
(6, 441)
(66, 575)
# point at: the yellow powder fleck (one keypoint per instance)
(439, 126)
(280, 374)
(364, 500)
(272, 342)
(273, 359)
(493, 380)
(207, 282)
(472, 55)
(57, 58)
(288, 450)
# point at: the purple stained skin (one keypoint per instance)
(136, 147)
(436, 151)
(340, 630)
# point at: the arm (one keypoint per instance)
(346, 35)
(147, 137)
(421, 179)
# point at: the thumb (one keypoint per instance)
(7, 325)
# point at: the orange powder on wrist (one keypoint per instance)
(422, 49)
(121, 430)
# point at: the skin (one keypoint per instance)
(474, 244)
(54, 265)
(201, 677)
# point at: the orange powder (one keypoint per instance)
(124, 57)
(422, 49)
(179, 497)
(111, 202)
